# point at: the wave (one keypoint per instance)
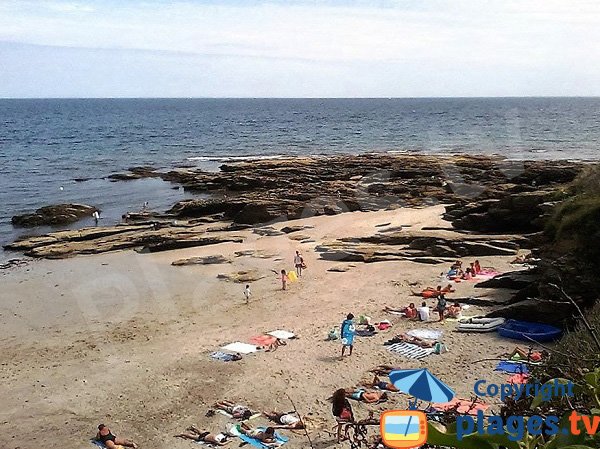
(237, 158)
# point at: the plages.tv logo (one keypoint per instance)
(404, 429)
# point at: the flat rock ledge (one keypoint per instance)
(145, 238)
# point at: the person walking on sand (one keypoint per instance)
(283, 279)
(298, 262)
(247, 293)
(347, 332)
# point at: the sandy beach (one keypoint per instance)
(124, 338)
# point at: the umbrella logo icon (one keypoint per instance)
(403, 429)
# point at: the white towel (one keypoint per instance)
(281, 335)
(242, 348)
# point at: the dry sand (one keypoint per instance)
(124, 338)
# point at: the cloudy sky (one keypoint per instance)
(328, 48)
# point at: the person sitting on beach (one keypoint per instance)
(368, 397)
(286, 420)
(266, 437)
(453, 311)
(473, 271)
(110, 440)
(467, 275)
(342, 410)
(409, 312)
(194, 434)
(236, 410)
(477, 267)
(456, 265)
(382, 385)
(530, 354)
(423, 312)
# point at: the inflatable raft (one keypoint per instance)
(525, 330)
(479, 324)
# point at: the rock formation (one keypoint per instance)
(59, 214)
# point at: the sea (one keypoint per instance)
(62, 150)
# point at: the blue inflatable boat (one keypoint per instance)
(524, 330)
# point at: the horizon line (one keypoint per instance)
(299, 98)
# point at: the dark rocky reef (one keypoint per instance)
(486, 194)
(59, 214)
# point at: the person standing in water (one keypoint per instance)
(347, 332)
(247, 293)
(96, 216)
(298, 262)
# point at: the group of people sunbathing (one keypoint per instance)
(423, 313)
(456, 271)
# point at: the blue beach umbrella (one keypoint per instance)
(421, 384)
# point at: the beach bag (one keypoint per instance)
(439, 348)
(333, 334)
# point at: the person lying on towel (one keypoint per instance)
(383, 370)
(192, 433)
(267, 437)
(110, 440)
(368, 397)
(236, 410)
(382, 385)
(284, 420)
(412, 340)
(531, 355)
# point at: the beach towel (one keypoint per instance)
(365, 333)
(97, 443)
(426, 334)
(281, 440)
(263, 340)
(518, 379)
(512, 367)
(462, 406)
(224, 357)
(282, 335)
(410, 351)
(242, 348)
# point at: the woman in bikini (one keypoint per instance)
(110, 440)
(194, 434)
(284, 420)
(368, 397)
(382, 385)
(266, 437)
(236, 410)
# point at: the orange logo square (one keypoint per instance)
(403, 429)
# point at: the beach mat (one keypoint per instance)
(425, 334)
(512, 368)
(281, 440)
(282, 335)
(242, 348)
(410, 351)
(222, 356)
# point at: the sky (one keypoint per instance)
(327, 48)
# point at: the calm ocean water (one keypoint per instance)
(75, 144)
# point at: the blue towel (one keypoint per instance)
(254, 442)
(512, 367)
(218, 355)
(97, 443)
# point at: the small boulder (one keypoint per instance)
(59, 214)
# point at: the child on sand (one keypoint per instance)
(283, 279)
(347, 332)
(247, 293)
